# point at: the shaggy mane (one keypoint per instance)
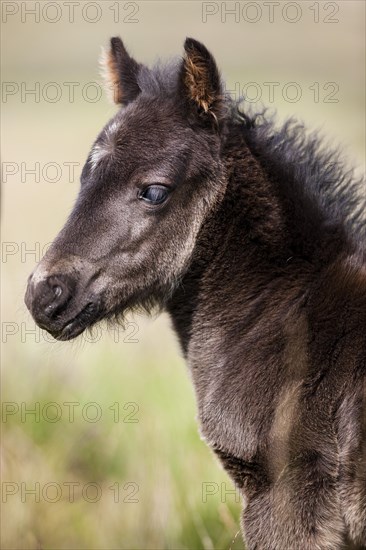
(308, 167)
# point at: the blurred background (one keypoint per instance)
(100, 446)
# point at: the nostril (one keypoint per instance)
(50, 296)
(56, 295)
(57, 290)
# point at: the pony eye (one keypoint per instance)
(154, 194)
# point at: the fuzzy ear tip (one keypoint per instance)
(191, 44)
(116, 43)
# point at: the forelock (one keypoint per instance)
(161, 80)
(158, 82)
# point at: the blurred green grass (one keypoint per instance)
(162, 453)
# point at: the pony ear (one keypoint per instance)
(200, 79)
(120, 72)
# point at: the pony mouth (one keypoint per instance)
(75, 326)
